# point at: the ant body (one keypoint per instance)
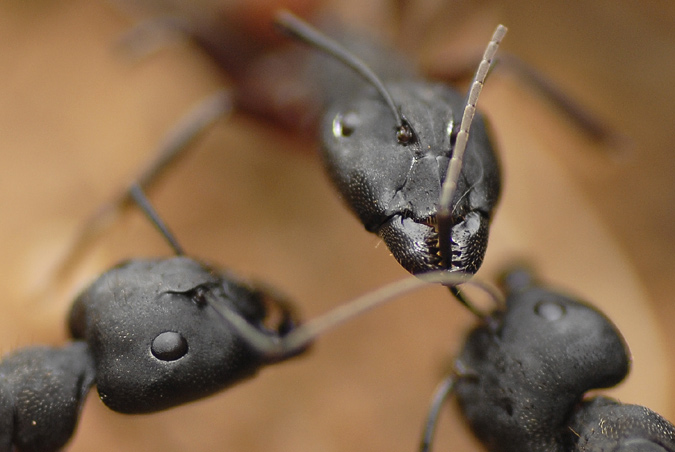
(410, 186)
(150, 334)
(392, 181)
(401, 154)
(522, 374)
(406, 180)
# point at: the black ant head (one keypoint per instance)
(395, 187)
(387, 148)
(562, 336)
(157, 338)
(533, 363)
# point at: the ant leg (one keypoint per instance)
(590, 124)
(190, 127)
(457, 293)
(150, 36)
(593, 127)
(136, 193)
(441, 394)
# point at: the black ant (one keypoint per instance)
(386, 143)
(152, 334)
(397, 155)
(523, 372)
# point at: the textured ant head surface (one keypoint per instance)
(158, 341)
(387, 144)
(529, 366)
(395, 188)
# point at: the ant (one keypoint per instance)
(404, 176)
(396, 154)
(523, 372)
(398, 149)
(152, 334)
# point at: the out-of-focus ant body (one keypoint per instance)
(522, 374)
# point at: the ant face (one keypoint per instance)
(394, 187)
(157, 340)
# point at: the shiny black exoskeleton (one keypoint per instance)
(523, 373)
(149, 335)
(395, 188)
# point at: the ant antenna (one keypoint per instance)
(302, 336)
(137, 194)
(455, 166)
(296, 27)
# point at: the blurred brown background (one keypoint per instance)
(77, 120)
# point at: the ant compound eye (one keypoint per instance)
(198, 296)
(169, 346)
(405, 134)
(549, 310)
(344, 125)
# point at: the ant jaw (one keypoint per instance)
(468, 243)
(412, 243)
(416, 244)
